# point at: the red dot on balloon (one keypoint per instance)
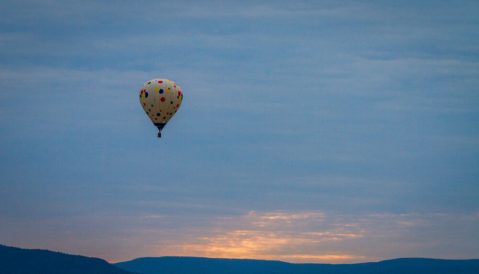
(159, 82)
(162, 99)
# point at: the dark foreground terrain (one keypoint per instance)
(32, 261)
(189, 265)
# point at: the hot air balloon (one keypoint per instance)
(161, 99)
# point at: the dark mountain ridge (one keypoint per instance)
(36, 261)
(197, 265)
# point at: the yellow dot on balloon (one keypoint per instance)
(157, 89)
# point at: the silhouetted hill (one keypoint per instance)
(29, 261)
(193, 265)
(32, 261)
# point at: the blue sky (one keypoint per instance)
(310, 131)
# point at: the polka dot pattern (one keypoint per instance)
(160, 99)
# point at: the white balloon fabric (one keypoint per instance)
(161, 99)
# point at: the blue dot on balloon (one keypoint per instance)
(146, 94)
(161, 91)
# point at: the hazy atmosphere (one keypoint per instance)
(310, 131)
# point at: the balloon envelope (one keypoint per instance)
(161, 99)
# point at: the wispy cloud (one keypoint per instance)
(294, 236)
(270, 235)
(313, 236)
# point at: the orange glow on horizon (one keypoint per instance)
(292, 237)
